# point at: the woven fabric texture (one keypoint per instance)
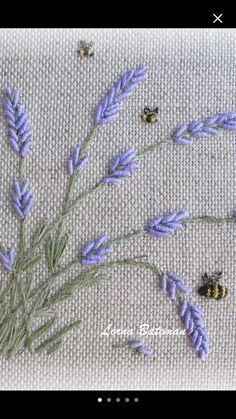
(191, 76)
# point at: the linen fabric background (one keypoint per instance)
(191, 76)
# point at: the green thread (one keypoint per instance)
(209, 219)
(57, 336)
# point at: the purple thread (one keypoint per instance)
(8, 259)
(192, 317)
(167, 225)
(145, 351)
(110, 107)
(172, 283)
(19, 132)
(135, 345)
(95, 251)
(123, 166)
(23, 199)
(75, 162)
(209, 126)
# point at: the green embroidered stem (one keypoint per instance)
(22, 236)
(55, 338)
(209, 219)
(154, 147)
(93, 276)
(51, 227)
(87, 141)
(74, 177)
(72, 182)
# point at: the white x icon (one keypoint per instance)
(217, 18)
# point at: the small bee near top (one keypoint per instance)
(85, 49)
(150, 115)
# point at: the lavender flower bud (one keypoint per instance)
(135, 345)
(172, 283)
(95, 252)
(75, 162)
(209, 126)
(194, 324)
(123, 166)
(145, 351)
(166, 225)
(7, 259)
(23, 199)
(110, 107)
(18, 121)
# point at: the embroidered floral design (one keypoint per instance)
(76, 162)
(110, 107)
(7, 259)
(21, 300)
(95, 251)
(18, 131)
(166, 225)
(210, 126)
(172, 283)
(123, 166)
(137, 347)
(23, 199)
(192, 317)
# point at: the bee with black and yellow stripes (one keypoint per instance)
(150, 115)
(211, 287)
(85, 49)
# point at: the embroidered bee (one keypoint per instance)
(85, 49)
(150, 115)
(211, 288)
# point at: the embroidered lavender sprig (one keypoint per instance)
(95, 251)
(23, 199)
(192, 317)
(110, 107)
(76, 162)
(166, 225)
(212, 125)
(172, 283)
(8, 259)
(18, 121)
(136, 346)
(123, 166)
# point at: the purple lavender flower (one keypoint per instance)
(172, 283)
(166, 225)
(7, 259)
(123, 166)
(75, 161)
(135, 345)
(95, 251)
(140, 348)
(110, 107)
(192, 317)
(145, 351)
(18, 131)
(209, 126)
(23, 199)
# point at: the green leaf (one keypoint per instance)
(41, 330)
(55, 249)
(18, 344)
(55, 347)
(42, 297)
(55, 338)
(29, 262)
(40, 233)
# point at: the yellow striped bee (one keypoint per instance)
(85, 49)
(211, 288)
(150, 115)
